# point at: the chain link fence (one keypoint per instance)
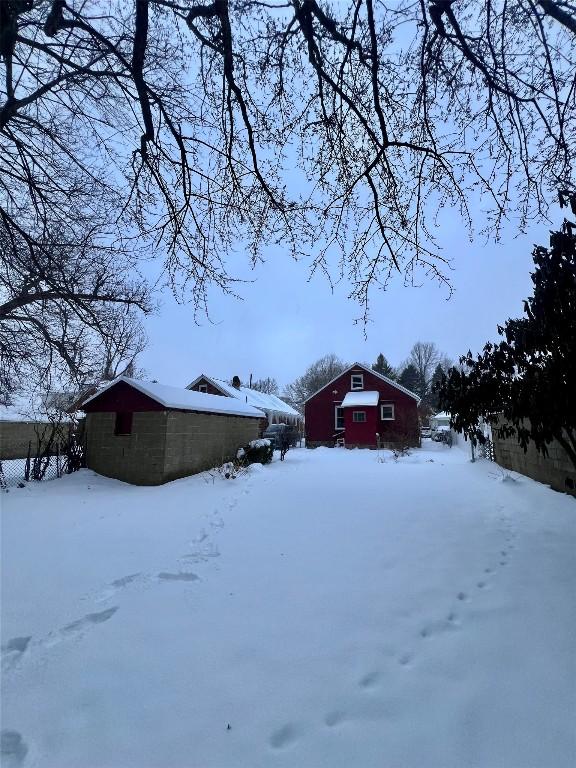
(45, 460)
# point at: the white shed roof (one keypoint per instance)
(251, 396)
(363, 397)
(185, 399)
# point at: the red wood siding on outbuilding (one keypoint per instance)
(320, 412)
(122, 397)
(211, 389)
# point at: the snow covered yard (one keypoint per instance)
(330, 610)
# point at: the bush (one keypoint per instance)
(256, 452)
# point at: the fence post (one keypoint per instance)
(27, 465)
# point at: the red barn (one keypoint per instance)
(359, 408)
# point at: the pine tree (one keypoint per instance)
(410, 378)
(383, 367)
(437, 378)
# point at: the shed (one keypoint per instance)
(362, 408)
(147, 433)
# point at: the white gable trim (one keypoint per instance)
(378, 375)
(175, 398)
(207, 378)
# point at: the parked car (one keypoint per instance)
(442, 434)
(274, 432)
(425, 432)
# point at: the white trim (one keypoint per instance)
(209, 379)
(388, 418)
(203, 388)
(356, 376)
(336, 408)
(359, 413)
(175, 398)
(375, 373)
(270, 404)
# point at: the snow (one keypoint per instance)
(354, 366)
(360, 398)
(185, 399)
(266, 402)
(261, 443)
(336, 609)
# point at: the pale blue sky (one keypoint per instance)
(284, 322)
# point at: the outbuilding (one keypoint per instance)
(276, 410)
(148, 433)
(360, 408)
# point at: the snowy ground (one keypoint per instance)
(329, 610)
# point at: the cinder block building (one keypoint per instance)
(147, 434)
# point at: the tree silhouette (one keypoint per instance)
(529, 378)
(189, 126)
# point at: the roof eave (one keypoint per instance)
(369, 370)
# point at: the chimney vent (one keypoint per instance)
(236, 382)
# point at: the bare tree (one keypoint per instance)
(268, 385)
(68, 312)
(425, 357)
(316, 376)
(285, 121)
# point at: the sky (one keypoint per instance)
(284, 322)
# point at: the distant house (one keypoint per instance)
(276, 410)
(361, 408)
(147, 433)
(440, 420)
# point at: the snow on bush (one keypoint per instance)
(262, 443)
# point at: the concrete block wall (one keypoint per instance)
(199, 441)
(555, 469)
(16, 436)
(137, 458)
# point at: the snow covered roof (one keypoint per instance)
(365, 397)
(374, 373)
(29, 408)
(441, 415)
(250, 396)
(184, 399)
(18, 411)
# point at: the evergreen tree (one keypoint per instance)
(410, 378)
(383, 367)
(529, 378)
(432, 398)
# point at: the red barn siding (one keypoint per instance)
(211, 389)
(361, 432)
(122, 397)
(320, 414)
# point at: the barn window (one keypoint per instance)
(339, 417)
(203, 388)
(357, 381)
(123, 424)
(387, 412)
(358, 416)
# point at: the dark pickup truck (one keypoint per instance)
(274, 433)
